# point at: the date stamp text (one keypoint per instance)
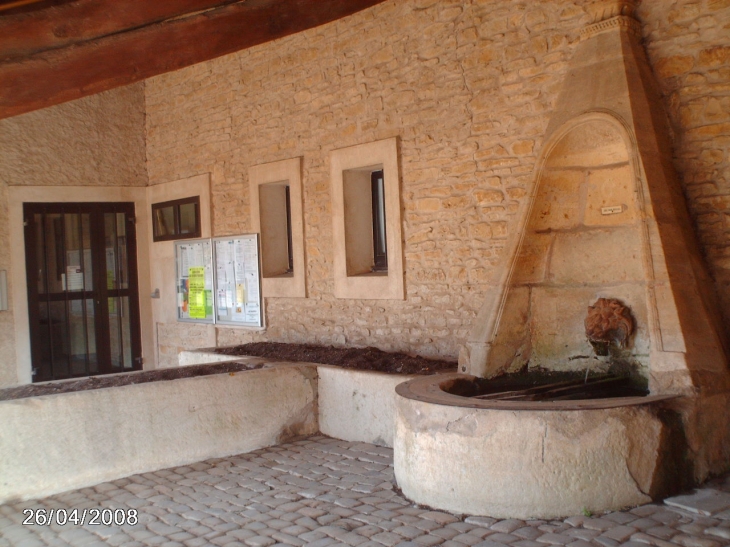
(80, 517)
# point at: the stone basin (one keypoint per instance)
(521, 459)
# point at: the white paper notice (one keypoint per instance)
(240, 259)
(197, 258)
(249, 255)
(184, 261)
(74, 278)
(252, 313)
(252, 287)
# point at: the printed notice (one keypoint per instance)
(74, 278)
(252, 312)
(196, 292)
(237, 280)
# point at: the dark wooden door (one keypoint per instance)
(83, 301)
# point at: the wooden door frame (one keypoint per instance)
(101, 293)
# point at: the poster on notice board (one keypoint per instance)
(194, 277)
(237, 281)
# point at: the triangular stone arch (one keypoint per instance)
(610, 82)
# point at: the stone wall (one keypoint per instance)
(95, 141)
(688, 47)
(468, 87)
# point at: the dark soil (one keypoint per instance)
(113, 380)
(615, 383)
(358, 358)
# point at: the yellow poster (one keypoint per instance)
(196, 295)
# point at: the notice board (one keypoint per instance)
(238, 281)
(194, 278)
(219, 281)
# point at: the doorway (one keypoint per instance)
(83, 298)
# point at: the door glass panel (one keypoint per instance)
(91, 336)
(121, 244)
(110, 244)
(87, 264)
(78, 339)
(120, 339)
(40, 253)
(73, 253)
(55, 263)
(115, 333)
(59, 339)
(42, 361)
(126, 335)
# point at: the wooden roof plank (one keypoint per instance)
(26, 34)
(60, 75)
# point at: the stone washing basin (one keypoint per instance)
(522, 459)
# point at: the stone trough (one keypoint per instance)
(353, 405)
(524, 459)
(63, 441)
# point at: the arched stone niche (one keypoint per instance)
(584, 239)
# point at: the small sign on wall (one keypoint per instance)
(612, 210)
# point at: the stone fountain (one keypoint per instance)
(606, 227)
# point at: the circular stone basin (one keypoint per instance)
(524, 459)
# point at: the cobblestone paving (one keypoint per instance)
(322, 491)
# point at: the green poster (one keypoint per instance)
(196, 295)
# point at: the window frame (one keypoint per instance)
(175, 204)
(350, 170)
(288, 172)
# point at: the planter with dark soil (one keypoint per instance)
(357, 358)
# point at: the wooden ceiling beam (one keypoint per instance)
(59, 75)
(26, 34)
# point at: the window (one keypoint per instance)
(366, 226)
(276, 213)
(178, 219)
(276, 236)
(380, 249)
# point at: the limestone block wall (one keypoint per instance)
(94, 141)
(584, 240)
(468, 88)
(688, 47)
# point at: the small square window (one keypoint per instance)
(178, 219)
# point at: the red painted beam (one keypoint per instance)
(60, 75)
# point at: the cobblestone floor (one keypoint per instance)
(322, 491)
